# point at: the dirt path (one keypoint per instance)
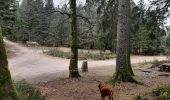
(32, 65)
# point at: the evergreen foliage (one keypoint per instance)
(42, 22)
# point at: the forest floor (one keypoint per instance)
(49, 74)
(86, 87)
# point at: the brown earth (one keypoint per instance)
(86, 88)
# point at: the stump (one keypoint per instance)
(85, 66)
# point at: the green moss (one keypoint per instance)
(129, 67)
(4, 80)
(2, 47)
(7, 90)
(123, 75)
(74, 74)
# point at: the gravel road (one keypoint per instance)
(33, 66)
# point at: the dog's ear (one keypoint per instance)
(100, 85)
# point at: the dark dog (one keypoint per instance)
(105, 91)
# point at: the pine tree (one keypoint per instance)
(26, 15)
(35, 25)
(9, 20)
(39, 27)
(48, 11)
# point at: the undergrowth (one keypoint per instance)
(82, 55)
(160, 93)
(28, 91)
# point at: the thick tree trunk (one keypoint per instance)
(7, 89)
(73, 67)
(123, 67)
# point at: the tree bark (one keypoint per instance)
(7, 89)
(73, 67)
(128, 37)
(123, 67)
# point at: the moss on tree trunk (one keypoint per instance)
(73, 67)
(123, 75)
(7, 89)
(124, 70)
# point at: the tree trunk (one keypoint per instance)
(123, 67)
(7, 89)
(73, 67)
(128, 37)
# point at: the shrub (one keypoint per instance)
(58, 53)
(82, 55)
(156, 63)
(162, 93)
(28, 92)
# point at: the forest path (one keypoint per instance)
(33, 66)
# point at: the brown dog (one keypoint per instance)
(105, 91)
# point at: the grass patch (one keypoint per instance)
(142, 64)
(160, 93)
(82, 55)
(157, 63)
(58, 53)
(151, 64)
(28, 92)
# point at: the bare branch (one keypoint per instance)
(61, 12)
(78, 15)
(85, 18)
